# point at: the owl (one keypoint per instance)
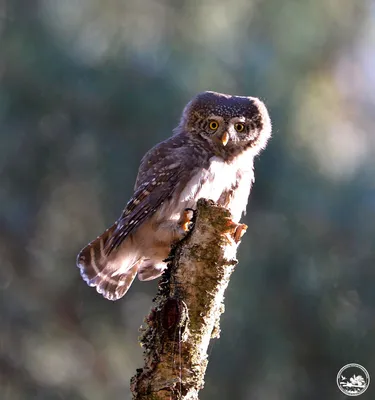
(210, 155)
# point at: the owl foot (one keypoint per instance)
(184, 226)
(186, 220)
(236, 230)
(239, 232)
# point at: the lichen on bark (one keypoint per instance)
(187, 309)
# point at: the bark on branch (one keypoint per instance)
(187, 309)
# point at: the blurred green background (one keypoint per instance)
(87, 87)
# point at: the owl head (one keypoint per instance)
(230, 124)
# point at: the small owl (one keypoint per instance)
(210, 155)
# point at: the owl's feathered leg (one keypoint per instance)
(167, 232)
(111, 274)
(226, 198)
(236, 204)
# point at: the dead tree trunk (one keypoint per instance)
(187, 309)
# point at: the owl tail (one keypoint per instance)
(111, 274)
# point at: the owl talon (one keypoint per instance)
(236, 230)
(186, 220)
(239, 232)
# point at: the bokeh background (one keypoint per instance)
(87, 87)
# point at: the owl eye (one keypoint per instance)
(239, 127)
(213, 125)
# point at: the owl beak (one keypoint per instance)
(225, 138)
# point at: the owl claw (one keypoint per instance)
(186, 220)
(239, 232)
(236, 230)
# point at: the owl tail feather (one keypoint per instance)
(107, 273)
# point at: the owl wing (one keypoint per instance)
(163, 169)
(145, 201)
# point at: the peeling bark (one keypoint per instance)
(187, 309)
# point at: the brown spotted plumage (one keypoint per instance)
(210, 155)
